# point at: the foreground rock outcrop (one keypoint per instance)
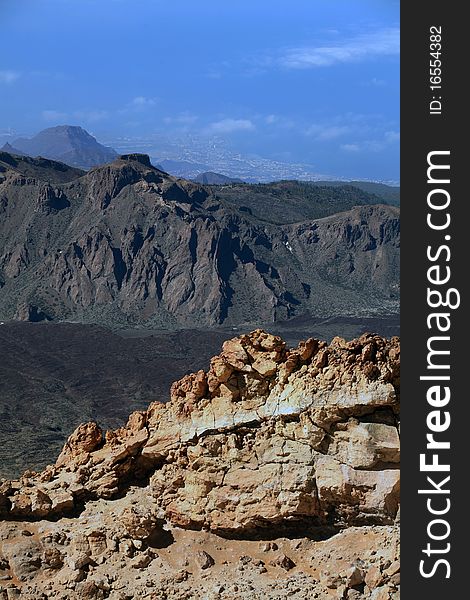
(237, 479)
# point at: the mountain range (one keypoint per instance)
(127, 244)
(206, 160)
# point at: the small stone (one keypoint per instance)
(77, 561)
(354, 576)
(204, 560)
(181, 576)
(340, 592)
(265, 547)
(393, 568)
(373, 577)
(52, 558)
(127, 548)
(284, 562)
(381, 593)
(329, 580)
(268, 546)
(141, 561)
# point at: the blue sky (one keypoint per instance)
(310, 81)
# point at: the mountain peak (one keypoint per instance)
(11, 150)
(70, 144)
(68, 129)
(212, 178)
(70, 132)
(143, 159)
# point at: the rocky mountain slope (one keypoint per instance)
(287, 202)
(66, 143)
(275, 474)
(390, 194)
(211, 178)
(11, 150)
(42, 169)
(127, 244)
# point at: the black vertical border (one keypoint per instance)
(420, 134)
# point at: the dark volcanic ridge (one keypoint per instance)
(126, 244)
(283, 202)
(39, 168)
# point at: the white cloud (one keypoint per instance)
(327, 132)
(184, 118)
(377, 82)
(91, 116)
(54, 116)
(231, 125)
(278, 122)
(83, 116)
(271, 119)
(373, 145)
(138, 104)
(350, 147)
(379, 43)
(392, 136)
(142, 101)
(9, 76)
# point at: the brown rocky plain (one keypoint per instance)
(273, 475)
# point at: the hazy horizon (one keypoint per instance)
(316, 84)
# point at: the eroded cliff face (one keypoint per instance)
(126, 243)
(270, 443)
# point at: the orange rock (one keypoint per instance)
(220, 369)
(86, 438)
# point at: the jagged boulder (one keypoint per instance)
(267, 435)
